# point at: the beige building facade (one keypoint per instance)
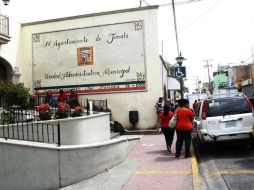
(110, 55)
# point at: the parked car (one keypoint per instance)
(223, 119)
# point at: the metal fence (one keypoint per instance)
(97, 105)
(30, 112)
(21, 123)
(37, 132)
(14, 114)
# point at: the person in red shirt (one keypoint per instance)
(164, 119)
(183, 127)
(195, 106)
(62, 97)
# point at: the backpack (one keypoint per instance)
(117, 127)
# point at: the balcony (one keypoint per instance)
(4, 29)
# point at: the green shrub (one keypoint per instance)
(14, 94)
(5, 119)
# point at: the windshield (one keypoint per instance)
(227, 106)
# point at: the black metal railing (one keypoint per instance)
(4, 25)
(36, 132)
(31, 112)
(98, 105)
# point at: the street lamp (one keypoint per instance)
(6, 2)
(179, 61)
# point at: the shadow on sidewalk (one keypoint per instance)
(165, 152)
(165, 159)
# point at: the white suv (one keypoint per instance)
(224, 118)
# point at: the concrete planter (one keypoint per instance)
(30, 165)
(73, 131)
(84, 130)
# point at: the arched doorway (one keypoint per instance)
(3, 76)
(5, 71)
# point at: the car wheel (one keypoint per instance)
(251, 143)
(200, 145)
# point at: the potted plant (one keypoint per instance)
(62, 111)
(77, 111)
(45, 112)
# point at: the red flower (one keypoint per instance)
(44, 111)
(77, 108)
(61, 106)
(63, 111)
(44, 107)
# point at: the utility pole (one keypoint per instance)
(207, 66)
(162, 48)
(197, 83)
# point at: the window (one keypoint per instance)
(227, 106)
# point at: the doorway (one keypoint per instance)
(3, 74)
(6, 71)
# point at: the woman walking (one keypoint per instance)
(164, 119)
(183, 127)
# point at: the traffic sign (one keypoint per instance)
(180, 72)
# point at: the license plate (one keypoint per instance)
(230, 124)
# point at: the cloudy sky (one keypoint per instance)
(218, 30)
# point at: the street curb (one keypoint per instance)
(195, 171)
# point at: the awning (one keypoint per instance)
(173, 84)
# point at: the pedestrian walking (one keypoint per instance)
(159, 107)
(168, 132)
(183, 127)
(195, 106)
(171, 105)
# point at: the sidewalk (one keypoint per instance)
(159, 169)
(148, 166)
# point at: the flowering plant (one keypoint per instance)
(62, 111)
(77, 111)
(44, 112)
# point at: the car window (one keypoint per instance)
(227, 106)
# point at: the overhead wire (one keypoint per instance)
(202, 15)
(180, 3)
(174, 15)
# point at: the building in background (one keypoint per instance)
(9, 71)
(220, 78)
(110, 55)
(247, 83)
(235, 78)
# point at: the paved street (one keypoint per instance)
(227, 166)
